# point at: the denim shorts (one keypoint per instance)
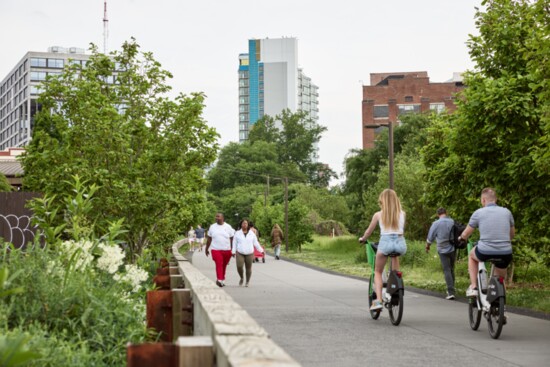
(392, 243)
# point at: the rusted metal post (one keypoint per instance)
(151, 355)
(159, 313)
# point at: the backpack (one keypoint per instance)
(456, 231)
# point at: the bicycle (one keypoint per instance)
(490, 300)
(393, 288)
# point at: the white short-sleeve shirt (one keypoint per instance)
(220, 234)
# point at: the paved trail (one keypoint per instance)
(322, 320)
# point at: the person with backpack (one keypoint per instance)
(441, 232)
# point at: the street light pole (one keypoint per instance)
(390, 148)
(390, 145)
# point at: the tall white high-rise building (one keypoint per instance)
(271, 81)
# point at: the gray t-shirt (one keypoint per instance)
(494, 223)
(440, 232)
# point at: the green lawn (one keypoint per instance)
(422, 270)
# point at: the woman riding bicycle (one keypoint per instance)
(392, 223)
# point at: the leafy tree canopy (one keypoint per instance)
(145, 152)
(498, 136)
(365, 168)
(4, 184)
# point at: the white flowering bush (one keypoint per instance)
(111, 259)
(81, 256)
(134, 276)
(79, 253)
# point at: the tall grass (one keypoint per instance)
(422, 270)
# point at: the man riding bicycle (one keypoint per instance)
(496, 231)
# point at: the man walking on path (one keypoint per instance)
(220, 237)
(439, 232)
(199, 233)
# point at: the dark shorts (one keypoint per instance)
(500, 261)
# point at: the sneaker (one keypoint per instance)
(504, 320)
(241, 282)
(471, 292)
(277, 257)
(450, 296)
(376, 305)
(246, 285)
(219, 284)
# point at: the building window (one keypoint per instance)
(35, 89)
(38, 62)
(243, 74)
(408, 98)
(38, 75)
(408, 108)
(243, 108)
(437, 107)
(243, 91)
(243, 100)
(243, 135)
(55, 63)
(381, 111)
(243, 126)
(243, 117)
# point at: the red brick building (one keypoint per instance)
(392, 94)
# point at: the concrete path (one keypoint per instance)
(322, 320)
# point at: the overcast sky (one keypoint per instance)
(340, 44)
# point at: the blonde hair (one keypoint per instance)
(391, 209)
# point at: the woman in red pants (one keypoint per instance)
(220, 237)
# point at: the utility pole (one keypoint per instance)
(390, 148)
(286, 214)
(266, 193)
(105, 27)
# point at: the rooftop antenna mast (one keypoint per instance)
(105, 27)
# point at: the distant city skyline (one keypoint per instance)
(340, 46)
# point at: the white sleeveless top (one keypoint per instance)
(393, 231)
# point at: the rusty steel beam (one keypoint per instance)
(152, 355)
(159, 312)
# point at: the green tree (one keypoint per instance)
(144, 151)
(328, 205)
(364, 168)
(295, 136)
(247, 163)
(4, 184)
(499, 134)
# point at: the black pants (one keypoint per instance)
(448, 263)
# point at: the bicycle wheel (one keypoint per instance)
(372, 296)
(474, 313)
(395, 308)
(495, 318)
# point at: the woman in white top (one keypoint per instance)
(391, 219)
(244, 242)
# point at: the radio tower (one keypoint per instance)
(105, 27)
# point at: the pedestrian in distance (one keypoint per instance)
(244, 242)
(439, 232)
(220, 238)
(199, 234)
(191, 238)
(496, 231)
(391, 219)
(277, 237)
